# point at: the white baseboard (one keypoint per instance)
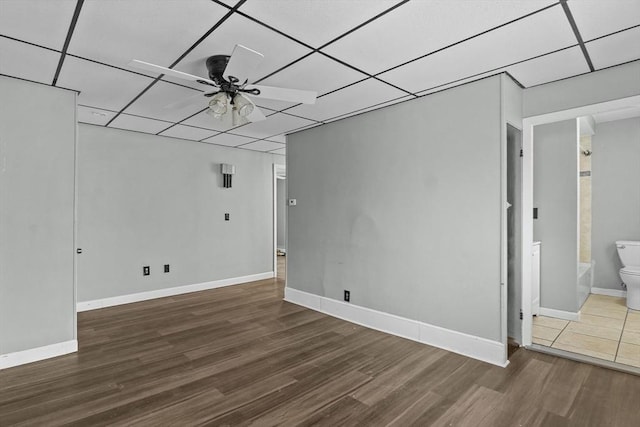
(39, 353)
(560, 314)
(609, 292)
(483, 349)
(167, 292)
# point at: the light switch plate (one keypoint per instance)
(292, 202)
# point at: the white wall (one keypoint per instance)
(402, 206)
(555, 194)
(37, 151)
(615, 195)
(151, 200)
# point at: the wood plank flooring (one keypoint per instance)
(242, 356)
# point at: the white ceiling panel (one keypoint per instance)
(277, 49)
(352, 98)
(420, 27)
(155, 103)
(274, 125)
(42, 22)
(374, 107)
(140, 124)
(117, 31)
(102, 86)
(596, 18)
(281, 151)
(493, 50)
(188, 132)
(94, 116)
(556, 66)
(316, 72)
(263, 146)
(27, 61)
(229, 140)
(279, 138)
(315, 22)
(615, 49)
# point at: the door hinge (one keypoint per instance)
(521, 153)
(521, 315)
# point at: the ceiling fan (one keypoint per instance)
(233, 92)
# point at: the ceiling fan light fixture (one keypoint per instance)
(243, 105)
(219, 103)
(237, 119)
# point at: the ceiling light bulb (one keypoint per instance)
(219, 103)
(243, 105)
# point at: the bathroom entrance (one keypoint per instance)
(578, 166)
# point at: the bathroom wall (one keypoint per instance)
(585, 200)
(616, 195)
(555, 194)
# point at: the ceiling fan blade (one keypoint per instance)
(285, 94)
(169, 72)
(195, 99)
(241, 63)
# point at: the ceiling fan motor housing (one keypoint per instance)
(216, 65)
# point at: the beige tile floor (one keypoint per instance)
(606, 330)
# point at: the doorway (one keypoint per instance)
(280, 221)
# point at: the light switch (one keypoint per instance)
(292, 202)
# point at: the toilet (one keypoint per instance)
(629, 253)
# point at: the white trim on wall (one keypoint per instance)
(167, 292)
(468, 345)
(39, 353)
(560, 314)
(609, 292)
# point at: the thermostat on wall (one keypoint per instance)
(292, 202)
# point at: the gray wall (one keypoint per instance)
(616, 195)
(151, 200)
(401, 206)
(555, 194)
(282, 213)
(592, 88)
(37, 146)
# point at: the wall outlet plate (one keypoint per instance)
(166, 268)
(347, 296)
(146, 270)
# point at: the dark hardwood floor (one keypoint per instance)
(240, 355)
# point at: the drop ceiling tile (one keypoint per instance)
(315, 22)
(493, 50)
(373, 107)
(99, 85)
(155, 103)
(615, 49)
(139, 124)
(352, 98)
(229, 140)
(42, 22)
(188, 132)
(596, 18)
(27, 62)
(281, 151)
(279, 138)
(94, 116)
(419, 27)
(274, 125)
(117, 31)
(317, 73)
(555, 66)
(277, 49)
(262, 146)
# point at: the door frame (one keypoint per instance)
(527, 192)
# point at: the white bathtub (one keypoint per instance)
(585, 281)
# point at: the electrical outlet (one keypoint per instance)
(226, 217)
(146, 270)
(166, 268)
(347, 296)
